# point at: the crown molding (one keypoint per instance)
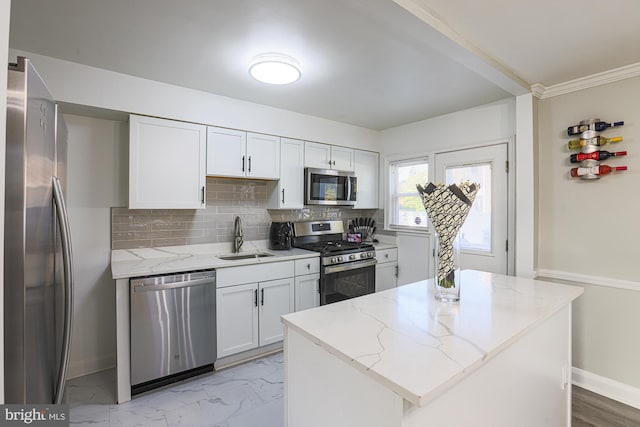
(610, 76)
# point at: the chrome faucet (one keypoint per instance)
(237, 232)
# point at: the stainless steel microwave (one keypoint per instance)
(329, 187)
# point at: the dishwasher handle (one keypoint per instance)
(174, 285)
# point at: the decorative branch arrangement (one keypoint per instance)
(447, 207)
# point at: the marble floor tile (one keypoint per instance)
(250, 394)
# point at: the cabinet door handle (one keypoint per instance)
(242, 163)
(386, 255)
(396, 271)
(283, 195)
(255, 293)
(262, 296)
(202, 198)
(308, 266)
(249, 164)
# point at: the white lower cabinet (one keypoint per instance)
(307, 291)
(386, 269)
(276, 299)
(307, 283)
(249, 302)
(236, 319)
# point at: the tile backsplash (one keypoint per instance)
(226, 199)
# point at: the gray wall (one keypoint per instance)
(590, 231)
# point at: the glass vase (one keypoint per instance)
(447, 268)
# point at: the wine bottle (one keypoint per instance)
(596, 155)
(597, 126)
(597, 140)
(596, 170)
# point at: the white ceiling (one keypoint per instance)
(366, 62)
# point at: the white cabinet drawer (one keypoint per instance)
(229, 276)
(307, 266)
(387, 255)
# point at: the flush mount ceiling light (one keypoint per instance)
(275, 69)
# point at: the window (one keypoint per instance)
(406, 208)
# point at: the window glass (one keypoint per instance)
(475, 234)
(407, 209)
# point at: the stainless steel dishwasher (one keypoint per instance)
(173, 328)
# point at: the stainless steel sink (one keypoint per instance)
(244, 256)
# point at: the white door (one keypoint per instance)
(237, 318)
(483, 237)
(276, 299)
(226, 152)
(307, 291)
(263, 156)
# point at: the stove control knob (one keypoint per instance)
(340, 258)
(363, 255)
(334, 260)
(352, 257)
(370, 254)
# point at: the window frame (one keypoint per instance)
(391, 195)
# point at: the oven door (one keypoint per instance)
(349, 280)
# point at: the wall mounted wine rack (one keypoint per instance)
(589, 144)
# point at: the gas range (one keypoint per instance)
(348, 268)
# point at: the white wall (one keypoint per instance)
(83, 85)
(5, 8)
(487, 123)
(589, 232)
(97, 180)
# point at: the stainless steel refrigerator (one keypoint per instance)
(38, 282)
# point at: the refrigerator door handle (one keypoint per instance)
(67, 256)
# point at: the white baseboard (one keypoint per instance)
(607, 387)
(79, 368)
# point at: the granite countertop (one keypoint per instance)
(127, 263)
(418, 347)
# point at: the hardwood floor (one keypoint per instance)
(593, 410)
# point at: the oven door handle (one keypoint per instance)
(349, 266)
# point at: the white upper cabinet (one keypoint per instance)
(242, 154)
(288, 192)
(367, 172)
(226, 149)
(263, 156)
(326, 156)
(166, 164)
(342, 158)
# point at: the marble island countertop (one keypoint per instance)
(127, 263)
(418, 347)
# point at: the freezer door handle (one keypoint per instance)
(67, 260)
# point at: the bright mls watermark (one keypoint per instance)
(34, 415)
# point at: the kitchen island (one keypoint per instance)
(398, 358)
